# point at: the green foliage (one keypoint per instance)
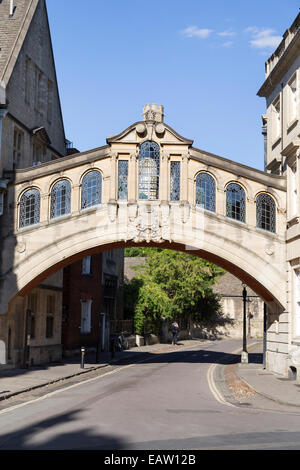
(131, 295)
(172, 285)
(141, 252)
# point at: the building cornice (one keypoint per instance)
(282, 66)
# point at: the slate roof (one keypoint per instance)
(13, 31)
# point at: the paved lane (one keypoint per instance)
(163, 403)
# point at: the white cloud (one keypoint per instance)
(194, 31)
(263, 38)
(227, 44)
(227, 34)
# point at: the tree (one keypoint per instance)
(174, 285)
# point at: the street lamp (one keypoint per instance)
(244, 359)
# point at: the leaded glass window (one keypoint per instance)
(123, 180)
(236, 202)
(266, 213)
(206, 192)
(175, 181)
(149, 168)
(60, 199)
(91, 189)
(30, 208)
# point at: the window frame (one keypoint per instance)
(213, 191)
(53, 199)
(37, 208)
(259, 223)
(147, 186)
(243, 202)
(85, 188)
(175, 181)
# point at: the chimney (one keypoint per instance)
(11, 8)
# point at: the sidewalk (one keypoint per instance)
(247, 379)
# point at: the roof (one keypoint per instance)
(13, 31)
(228, 285)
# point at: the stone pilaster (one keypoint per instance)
(113, 196)
(164, 187)
(184, 178)
(133, 177)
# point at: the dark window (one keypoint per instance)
(91, 189)
(175, 181)
(30, 208)
(266, 213)
(206, 192)
(236, 202)
(60, 199)
(32, 326)
(49, 326)
(123, 180)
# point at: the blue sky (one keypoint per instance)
(204, 61)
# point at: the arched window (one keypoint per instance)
(60, 199)
(236, 202)
(149, 168)
(266, 213)
(30, 208)
(206, 192)
(91, 189)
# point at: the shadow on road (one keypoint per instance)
(28, 438)
(132, 356)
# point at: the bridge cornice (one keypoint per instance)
(238, 169)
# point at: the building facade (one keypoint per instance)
(281, 129)
(92, 301)
(32, 134)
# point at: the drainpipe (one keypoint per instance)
(265, 338)
(103, 321)
(3, 112)
(3, 182)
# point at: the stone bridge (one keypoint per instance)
(147, 185)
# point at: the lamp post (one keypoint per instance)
(244, 358)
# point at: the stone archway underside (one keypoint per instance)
(223, 263)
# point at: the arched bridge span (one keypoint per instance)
(148, 185)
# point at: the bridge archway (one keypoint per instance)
(174, 217)
(236, 263)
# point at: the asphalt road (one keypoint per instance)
(164, 402)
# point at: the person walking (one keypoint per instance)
(175, 331)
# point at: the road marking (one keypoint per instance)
(210, 378)
(213, 388)
(48, 395)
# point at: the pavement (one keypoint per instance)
(239, 382)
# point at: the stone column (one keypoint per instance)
(184, 178)
(75, 199)
(164, 182)
(113, 178)
(220, 200)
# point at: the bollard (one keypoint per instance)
(82, 358)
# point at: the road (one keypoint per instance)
(164, 402)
